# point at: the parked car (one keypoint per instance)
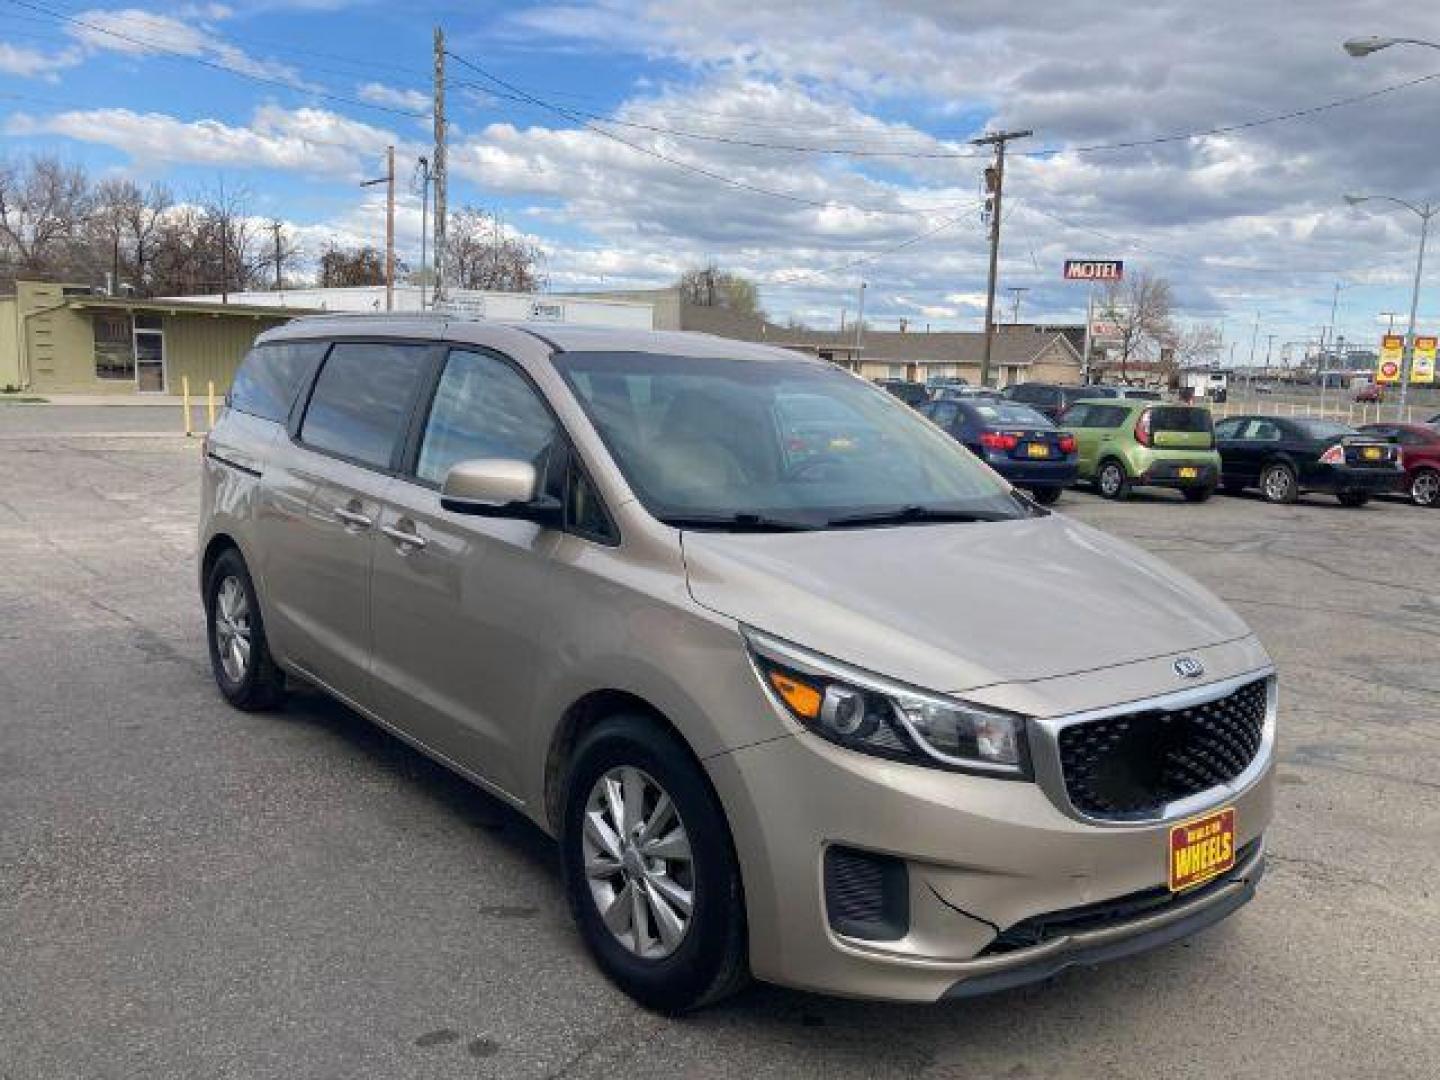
(1130, 393)
(1287, 456)
(913, 394)
(1369, 392)
(1126, 444)
(937, 382)
(1053, 399)
(861, 722)
(1419, 457)
(1022, 445)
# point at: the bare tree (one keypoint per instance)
(350, 267)
(143, 218)
(44, 205)
(1141, 307)
(709, 286)
(479, 255)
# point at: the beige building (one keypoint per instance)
(63, 339)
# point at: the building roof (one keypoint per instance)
(184, 307)
(1013, 346)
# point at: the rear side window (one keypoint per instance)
(1172, 418)
(271, 376)
(361, 402)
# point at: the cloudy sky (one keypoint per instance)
(808, 143)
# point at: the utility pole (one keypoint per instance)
(1392, 316)
(275, 227)
(441, 172)
(1018, 291)
(389, 181)
(424, 227)
(859, 325)
(995, 187)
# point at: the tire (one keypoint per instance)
(1425, 488)
(1112, 481)
(246, 674)
(1198, 495)
(707, 961)
(1353, 499)
(1046, 496)
(1278, 484)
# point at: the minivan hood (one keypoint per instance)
(954, 607)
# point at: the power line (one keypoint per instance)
(870, 257)
(215, 65)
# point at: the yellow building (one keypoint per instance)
(58, 339)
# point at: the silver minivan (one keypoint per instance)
(804, 690)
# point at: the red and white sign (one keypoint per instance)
(1094, 270)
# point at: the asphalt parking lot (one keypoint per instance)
(187, 891)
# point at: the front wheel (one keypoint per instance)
(1112, 480)
(1353, 499)
(650, 871)
(1425, 488)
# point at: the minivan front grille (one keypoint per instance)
(1128, 767)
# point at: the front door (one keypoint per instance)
(458, 600)
(150, 361)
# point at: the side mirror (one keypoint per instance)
(497, 487)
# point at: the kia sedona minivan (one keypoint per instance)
(823, 701)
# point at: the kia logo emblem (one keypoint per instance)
(1187, 667)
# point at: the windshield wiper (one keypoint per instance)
(914, 514)
(743, 521)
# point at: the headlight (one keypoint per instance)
(871, 714)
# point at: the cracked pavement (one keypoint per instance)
(187, 891)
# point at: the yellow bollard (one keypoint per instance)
(210, 403)
(185, 398)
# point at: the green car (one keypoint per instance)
(1133, 443)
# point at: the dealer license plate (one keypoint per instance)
(1202, 849)
(1189, 472)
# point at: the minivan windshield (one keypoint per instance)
(762, 445)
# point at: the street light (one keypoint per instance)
(1424, 213)
(1364, 46)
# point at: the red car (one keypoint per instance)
(1370, 392)
(1419, 455)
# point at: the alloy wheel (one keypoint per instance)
(1277, 485)
(638, 862)
(1425, 489)
(232, 629)
(1110, 479)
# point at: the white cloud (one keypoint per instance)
(380, 94)
(33, 64)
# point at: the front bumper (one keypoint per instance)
(983, 857)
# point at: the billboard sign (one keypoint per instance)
(1094, 270)
(1422, 364)
(1392, 356)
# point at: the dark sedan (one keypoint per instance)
(1286, 456)
(1052, 399)
(1019, 443)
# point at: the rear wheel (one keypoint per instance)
(650, 869)
(240, 657)
(1046, 496)
(1353, 498)
(1425, 488)
(1278, 484)
(1112, 481)
(1200, 494)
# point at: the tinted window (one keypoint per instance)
(1261, 431)
(1322, 429)
(1143, 395)
(1076, 416)
(484, 408)
(944, 413)
(361, 401)
(1173, 418)
(1097, 392)
(269, 378)
(1001, 412)
(1228, 429)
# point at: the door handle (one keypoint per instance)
(353, 517)
(404, 537)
